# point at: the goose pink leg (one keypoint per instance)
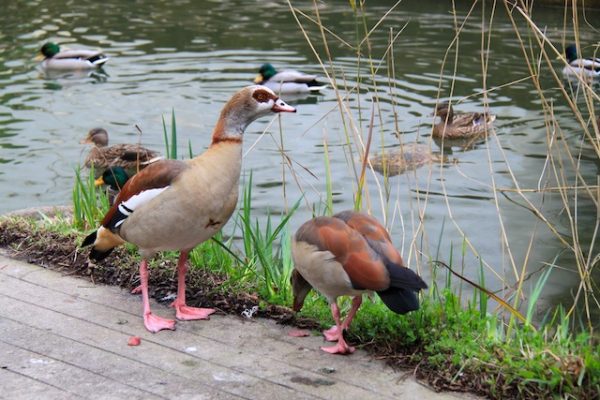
(152, 322)
(182, 311)
(332, 334)
(341, 347)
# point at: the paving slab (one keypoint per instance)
(63, 337)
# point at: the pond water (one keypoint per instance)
(190, 56)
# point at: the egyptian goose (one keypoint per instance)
(347, 255)
(176, 205)
(460, 126)
(588, 68)
(132, 157)
(54, 59)
(288, 81)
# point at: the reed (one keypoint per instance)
(89, 203)
(267, 249)
(373, 193)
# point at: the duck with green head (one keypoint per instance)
(55, 59)
(115, 178)
(587, 68)
(288, 81)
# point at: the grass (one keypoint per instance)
(451, 342)
(89, 203)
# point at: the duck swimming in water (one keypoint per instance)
(55, 59)
(288, 81)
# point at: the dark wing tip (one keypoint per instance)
(89, 239)
(405, 278)
(400, 300)
(97, 255)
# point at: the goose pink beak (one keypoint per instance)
(281, 106)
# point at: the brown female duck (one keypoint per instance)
(461, 125)
(132, 157)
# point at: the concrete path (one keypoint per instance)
(66, 338)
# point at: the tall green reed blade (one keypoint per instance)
(361, 180)
(165, 137)
(448, 274)
(173, 154)
(190, 152)
(328, 185)
(537, 291)
(287, 265)
(483, 298)
(170, 144)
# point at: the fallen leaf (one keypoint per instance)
(134, 341)
(299, 333)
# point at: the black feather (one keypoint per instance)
(400, 300)
(401, 297)
(90, 239)
(97, 255)
(404, 278)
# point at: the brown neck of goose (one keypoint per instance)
(232, 122)
(300, 288)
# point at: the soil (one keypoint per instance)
(60, 252)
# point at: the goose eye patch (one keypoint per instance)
(261, 96)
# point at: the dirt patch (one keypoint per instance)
(22, 240)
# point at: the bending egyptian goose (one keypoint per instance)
(586, 67)
(54, 59)
(460, 126)
(347, 255)
(288, 81)
(132, 157)
(176, 205)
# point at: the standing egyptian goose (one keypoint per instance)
(82, 59)
(288, 81)
(176, 205)
(347, 255)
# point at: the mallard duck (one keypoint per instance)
(176, 205)
(588, 68)
(460, 126)
(132, 157)
(288, 81)
(406, 158)
(115, 178)
(347, 255)
(54, 59)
